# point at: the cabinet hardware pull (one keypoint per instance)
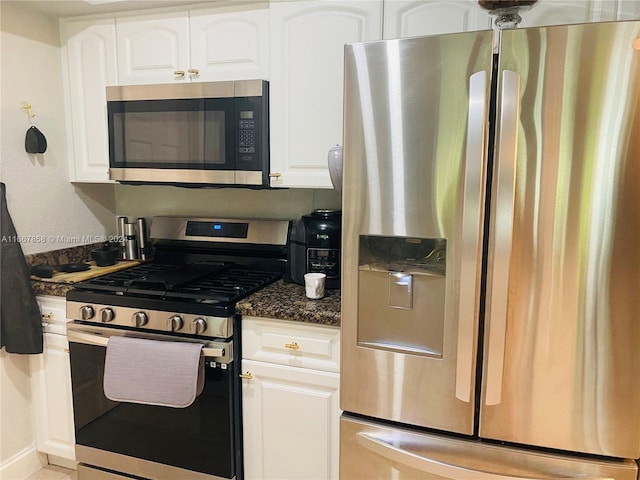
(275, 175)
(66, 350)
(247, 375)
(194, 71)
(179, 73)
(47, 316)
(292, 346)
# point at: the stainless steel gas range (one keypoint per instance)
(185, 297)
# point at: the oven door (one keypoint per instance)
(155, 442)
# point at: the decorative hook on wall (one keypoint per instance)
(35, 141)
(26, 106)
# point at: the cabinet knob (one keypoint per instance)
(292, 346)
(194, 71)
(179, 73)
(246, 376)
(275, 175)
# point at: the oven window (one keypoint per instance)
(199, 437)
(193, 133)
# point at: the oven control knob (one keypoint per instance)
(106, 315)
(175, 323)
(87, 312)
(199, 325)
(139, 319)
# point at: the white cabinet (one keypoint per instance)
(307, 54)
(561, 12)
(51, 384)
(230, 45)
(290, 397)
(412, 18)
(201, 45)
(91, 66)
(153, 48)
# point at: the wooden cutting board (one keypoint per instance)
(94, 271)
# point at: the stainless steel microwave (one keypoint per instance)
(209, 133)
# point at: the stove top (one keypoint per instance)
(200, 283)
(201, 269)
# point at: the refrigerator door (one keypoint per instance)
(562, 343)
(371, 451)
(414, 141)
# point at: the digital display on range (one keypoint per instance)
(217, 229)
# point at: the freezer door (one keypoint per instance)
(378, 452)
(562, 351)
(414, 140)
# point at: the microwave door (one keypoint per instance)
(172, 141)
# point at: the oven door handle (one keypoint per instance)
(102, 341)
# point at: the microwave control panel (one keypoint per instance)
(247, 136)
(324, 260)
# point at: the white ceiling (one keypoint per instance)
(71, 8)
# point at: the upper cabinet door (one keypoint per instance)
(229, 45)
(153, 48)
(307, 55)
(91, 62)
(564, 12)
(413, 18)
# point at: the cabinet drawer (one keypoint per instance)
(291, 343)
(54, 314)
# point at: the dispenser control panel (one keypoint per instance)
(324, 260)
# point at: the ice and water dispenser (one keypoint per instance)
(401, 294)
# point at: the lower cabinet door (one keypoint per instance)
(291, 419)
(51, 386)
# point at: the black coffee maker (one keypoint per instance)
(314, 246)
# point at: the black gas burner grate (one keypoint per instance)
(227, 286)
(208, 283)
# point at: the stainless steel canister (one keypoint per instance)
(131, 242)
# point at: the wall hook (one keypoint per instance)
(26, 106)
(34, 141)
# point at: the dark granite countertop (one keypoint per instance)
(50, 288)
(286, 301)
(80, 253)
(280, 300)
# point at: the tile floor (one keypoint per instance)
(53, 472)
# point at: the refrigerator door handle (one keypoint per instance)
(471, 216)
(431, 466)
(505, 197)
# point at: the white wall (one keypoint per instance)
(40, 198)
(281, 204)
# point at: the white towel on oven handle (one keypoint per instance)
(152, 372)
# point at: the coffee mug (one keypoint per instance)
(314, 285)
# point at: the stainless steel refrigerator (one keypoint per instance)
(491, 255)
